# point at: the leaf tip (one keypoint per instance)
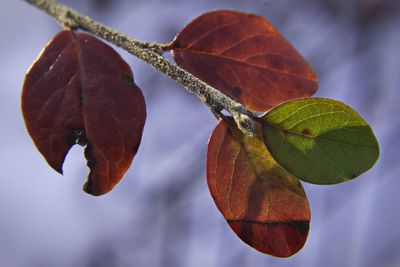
(279, 239)
(88, 188)
(59, 170)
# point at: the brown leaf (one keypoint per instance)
(80, 90)
(245, 57)
(263, 204)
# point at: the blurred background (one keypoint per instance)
(161, 213)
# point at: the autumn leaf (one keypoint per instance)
(263, 204)
(244, 57)
(319, 140)
(81, 91)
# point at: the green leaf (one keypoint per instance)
(321, 141)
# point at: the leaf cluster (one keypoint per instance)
(80, 91)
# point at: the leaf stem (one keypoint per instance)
(151, 53)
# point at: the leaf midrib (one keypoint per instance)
(310, 136)
(212, 54)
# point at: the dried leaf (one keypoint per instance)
(80, 90)
(263, 204)
(245, 57)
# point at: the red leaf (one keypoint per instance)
(263, 204)
(80, 90)
(243, 56)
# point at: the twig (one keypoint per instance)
(151, 53)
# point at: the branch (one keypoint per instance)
(151, 53)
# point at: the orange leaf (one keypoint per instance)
(245, 57)
(80, 90)
(263, 204)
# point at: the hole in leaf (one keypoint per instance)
(77, 136)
